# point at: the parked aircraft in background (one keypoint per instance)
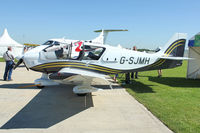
(79, 62)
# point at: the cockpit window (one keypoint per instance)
(51, 43)
(56, 43)
(48, 43)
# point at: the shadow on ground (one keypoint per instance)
(49, 107)
(176, 81)
(138, 87)
(107, 87)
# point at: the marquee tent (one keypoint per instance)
(6, 40)
(193, 70)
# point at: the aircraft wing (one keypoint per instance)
(78, 75)
(32, 45)
(82, 78)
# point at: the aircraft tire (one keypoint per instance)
(81, 94)
(40, 87)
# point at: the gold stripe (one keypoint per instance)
(67, 63)
(77, 67)
(169, 54)
(173, 46)
(50, 64)
(46, 64)
(155, 63)
(104, 68)
(161, 62)
(40, 67)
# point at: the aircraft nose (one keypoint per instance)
(30, 58)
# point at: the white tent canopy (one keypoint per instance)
(193, 70)
(6, 40)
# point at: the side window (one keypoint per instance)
(93, 52)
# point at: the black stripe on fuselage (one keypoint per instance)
(56, 66)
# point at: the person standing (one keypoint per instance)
(134, 73)
(9, 58)
(115, 77)
(127, 78)
(159, 73)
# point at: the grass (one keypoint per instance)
(173, 99)
(1, 60)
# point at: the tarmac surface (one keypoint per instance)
(57, 109)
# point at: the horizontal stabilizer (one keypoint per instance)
(111, 30)
(176, 58)
(101, 39)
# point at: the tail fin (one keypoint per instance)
(101, 39)
(173, 51)
(175, 46)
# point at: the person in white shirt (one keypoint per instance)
(9, 58)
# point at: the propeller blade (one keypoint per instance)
(26, 66)
(18, 63)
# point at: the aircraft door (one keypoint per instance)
(74, 51)
(55, 51)
(77, 50)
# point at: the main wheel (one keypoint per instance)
(40, 87)
(81, 94)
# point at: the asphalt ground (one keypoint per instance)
(27, 109)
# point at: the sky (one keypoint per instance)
(150, 23)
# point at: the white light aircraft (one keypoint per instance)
(79, 62)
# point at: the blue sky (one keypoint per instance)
(151, 23)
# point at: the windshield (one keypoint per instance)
(48, 43)
(51, 43)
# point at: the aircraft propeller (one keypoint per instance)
(21, 60)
